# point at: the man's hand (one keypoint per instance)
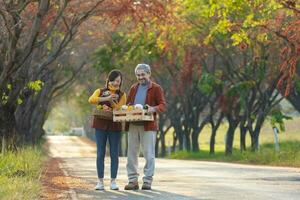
(151, 109)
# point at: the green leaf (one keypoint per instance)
(239, 38)
(19, 101)
(277, 119)
(36, 86)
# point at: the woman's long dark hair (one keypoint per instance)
(113, 75)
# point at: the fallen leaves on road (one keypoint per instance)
(55, 184)
(50, 188)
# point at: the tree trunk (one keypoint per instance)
(24, 115)
(157, 146)
(8, 131)
(254, 142)
(243, 132)
(163, 144)
(212, 141)
(162, 120)
(255, 135)
(3, 145)
(195, 135)
(174, 142)
(31, 114)
(214, 128)
(36, 129)
(179, 136)
(233, 123)
(229, 141)
(187, 142)
(294, 99)
(195, 143)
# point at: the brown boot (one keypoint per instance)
(146, 186)
(132, 186)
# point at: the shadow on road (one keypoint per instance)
(174, 179)
(132, 195)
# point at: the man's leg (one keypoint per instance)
(148, 139)
(132, 153)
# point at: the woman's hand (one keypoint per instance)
(114, 97)
(111, 98)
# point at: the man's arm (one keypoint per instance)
(160, 100)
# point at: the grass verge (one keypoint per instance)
(20, 172)
(289, 155)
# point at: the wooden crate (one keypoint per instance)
(103, 114)
(132, 115)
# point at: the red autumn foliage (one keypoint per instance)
(113, 11)
(228, 104)
(189, 71)
(290, 53)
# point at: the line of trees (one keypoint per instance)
(36, 56)
(217, 61)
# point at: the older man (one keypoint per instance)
(143, 134)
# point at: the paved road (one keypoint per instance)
(176, 179)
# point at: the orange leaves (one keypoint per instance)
(228, 104)
(290, 54)
(138, 11)
(189, 72)
(126, 14)
(28, 14)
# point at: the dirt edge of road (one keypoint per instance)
(55, 181)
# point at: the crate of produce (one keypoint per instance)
(103, 113)
(132, 115)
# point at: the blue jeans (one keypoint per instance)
(114, 141)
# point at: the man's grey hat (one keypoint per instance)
(144, 67)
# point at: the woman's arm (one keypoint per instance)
(95, 99)
(121, 102)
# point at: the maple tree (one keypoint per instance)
(35, 34)
(241, 45)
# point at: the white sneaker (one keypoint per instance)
(113, 185)
(99, 186)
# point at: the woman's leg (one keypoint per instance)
(114, 142)
(101, 137)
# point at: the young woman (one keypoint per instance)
(110, 97)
